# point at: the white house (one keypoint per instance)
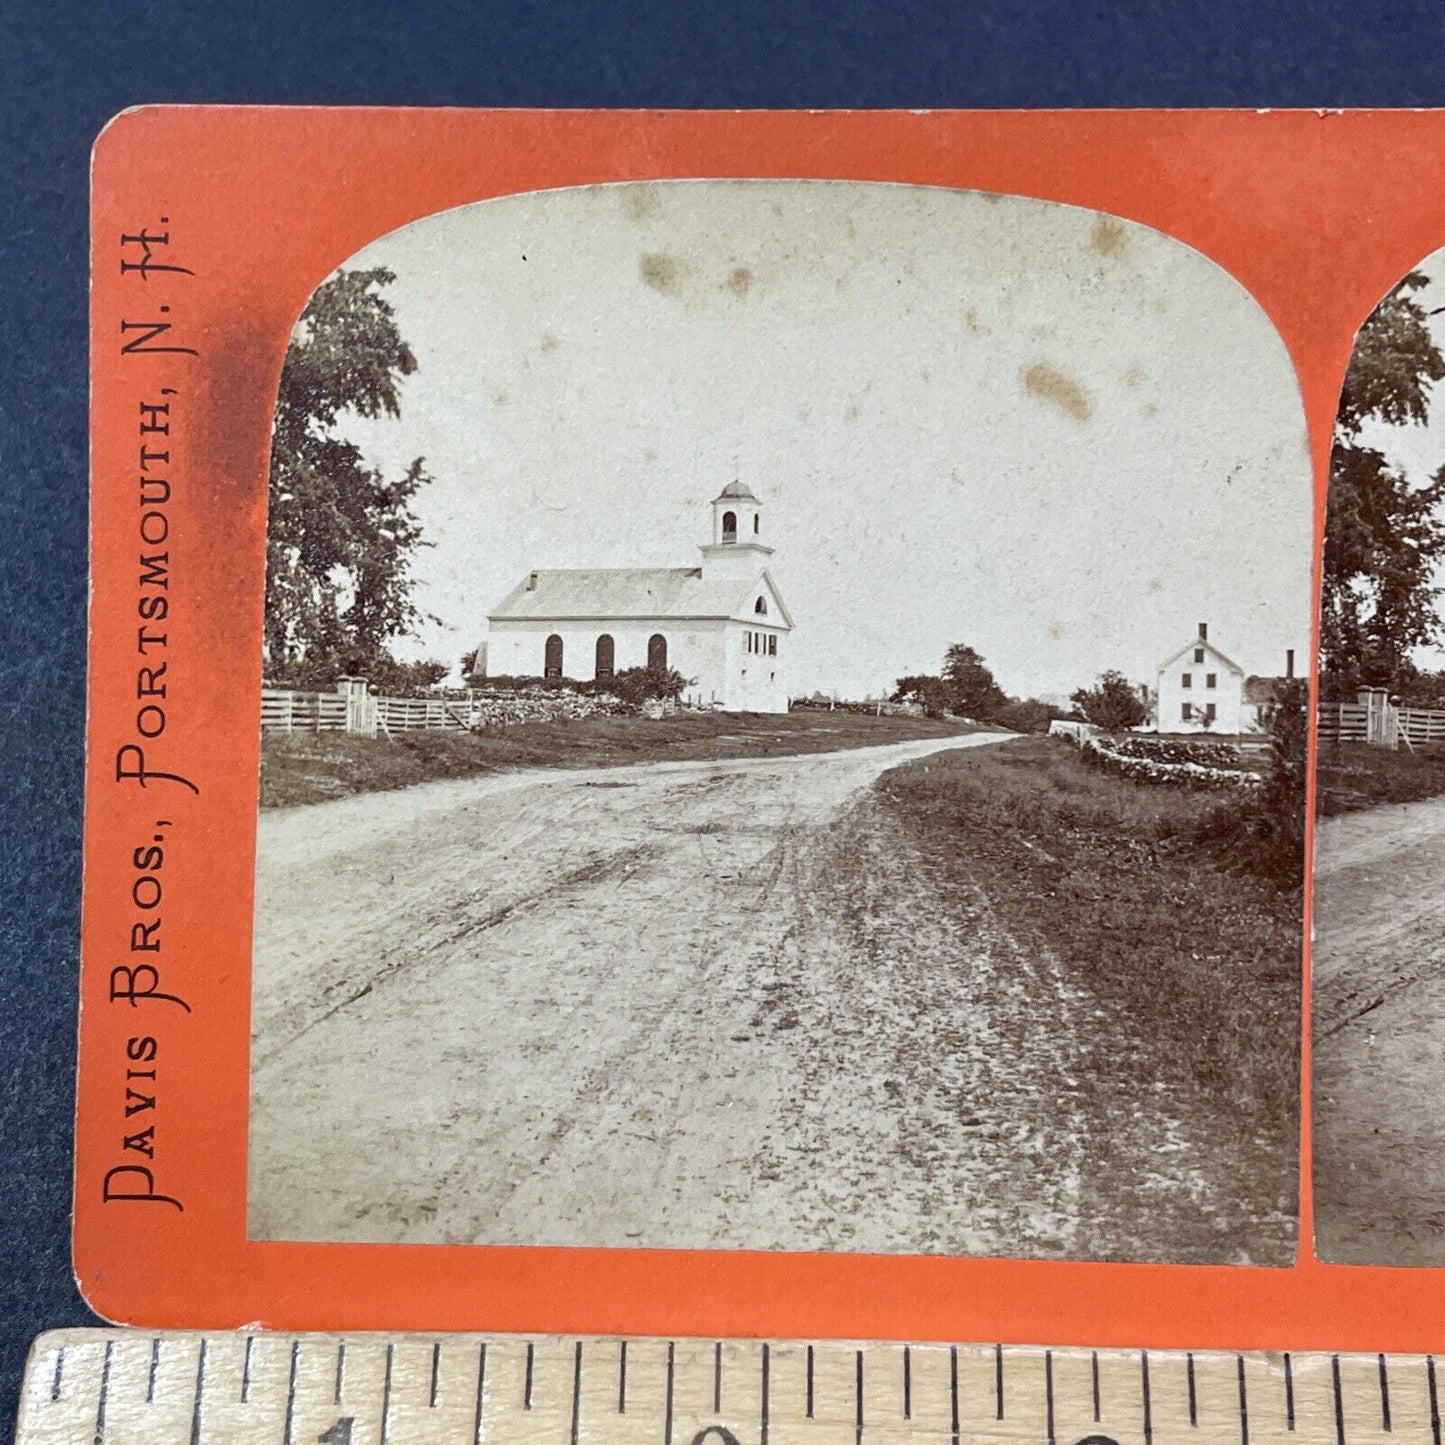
(723, 624)
(1199, 689)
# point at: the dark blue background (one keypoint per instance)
(65, 69)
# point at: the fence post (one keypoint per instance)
(360, 718)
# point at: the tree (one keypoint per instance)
(972, 691)
(1383, 538)
(1113, 703)
(1028, 715)
(930, 692)
(340, 535)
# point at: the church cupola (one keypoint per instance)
(737, 516)
(737, 533)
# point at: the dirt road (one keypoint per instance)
(691, 1005)
(1379, 1028)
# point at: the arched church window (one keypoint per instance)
(657, 652)
(761, 606)
(605, 656)
(730, 526)
(552, 666)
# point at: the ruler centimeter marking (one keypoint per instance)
(124, 1387)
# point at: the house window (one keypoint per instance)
(1186, 679)
(1186, 712)
(1209, 712)
(657, 652)
(606, 655)
(1209, 680)
(552, 666)
(757, 523)
(1199, 654)
(761, 606)
(773, 644)
(730, 526)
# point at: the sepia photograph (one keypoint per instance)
(1378, 994)
(784, 727)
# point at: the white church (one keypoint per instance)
(723, 625)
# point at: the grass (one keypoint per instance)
(1351, 776)
(1109, 875)
(299, 768)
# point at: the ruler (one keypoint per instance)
(128, 1387)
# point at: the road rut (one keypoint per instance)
(1379, 1035)
(706, 1005)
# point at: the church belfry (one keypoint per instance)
(737, 545)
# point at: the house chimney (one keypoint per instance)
(1204, 632)
(1289, 663)
(531, 582)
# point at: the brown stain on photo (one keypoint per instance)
(662, 272)
(501, 397)
(740, 281)
(642, 202)
(1059, 389)
(549, 343)
(1108, 237)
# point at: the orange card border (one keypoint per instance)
(1317, 214)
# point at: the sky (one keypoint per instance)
(1419, 451)
(1061, 438)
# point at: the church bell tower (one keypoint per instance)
(737, 548)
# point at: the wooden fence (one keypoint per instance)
(1381, 723)
(283, 710)
(403, 714)
(353, 708)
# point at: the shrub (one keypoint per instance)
(384, 674)
(1266, 837)
(1112, 703)
(637, 685)
(1027, 715)
(633, 685)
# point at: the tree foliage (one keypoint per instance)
(637, 685)
(972, 690)
(930, 693)
(1266, 836)
(1383, 537)
(1113, 703)
(1027, 715)
(340, 535)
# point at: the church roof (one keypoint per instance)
(597, 593)
(737, 491)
